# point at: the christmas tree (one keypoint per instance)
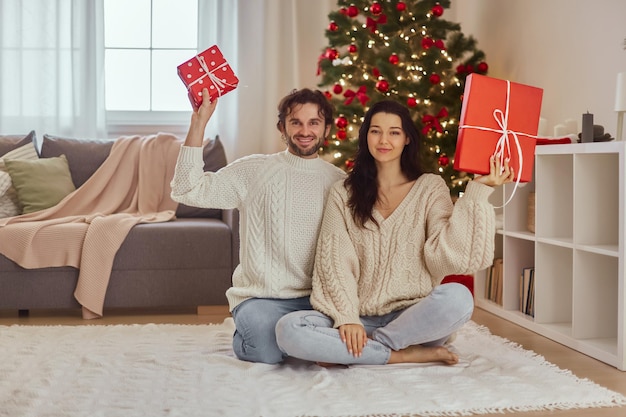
(404, 51)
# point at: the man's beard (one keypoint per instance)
(293, 146)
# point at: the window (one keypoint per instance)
(144, 41)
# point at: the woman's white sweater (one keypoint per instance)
(375, 270)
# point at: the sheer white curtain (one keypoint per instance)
(278, 43)
(51, 56)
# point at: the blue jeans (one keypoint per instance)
(310, 335)
(255, 322)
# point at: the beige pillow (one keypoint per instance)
(40, 183)
(9, 203)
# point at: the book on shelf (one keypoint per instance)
(527, 291)
(493, 283)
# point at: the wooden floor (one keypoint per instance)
(581, 365)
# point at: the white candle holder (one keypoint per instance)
(620, 103)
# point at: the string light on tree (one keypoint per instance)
(403, 50)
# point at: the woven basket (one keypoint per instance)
(531, 212)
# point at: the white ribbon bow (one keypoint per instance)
(217, 82)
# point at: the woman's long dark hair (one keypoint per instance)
(362, 182)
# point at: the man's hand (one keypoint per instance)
(199, 119)
(206, 109)
(355, 338)
(498, 174)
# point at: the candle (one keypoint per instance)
(560, 131)
(587, 133)
(572, 127)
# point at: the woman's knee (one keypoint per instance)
(459, 297)
(287, 331)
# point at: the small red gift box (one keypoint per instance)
(208, 69)
(498, 116)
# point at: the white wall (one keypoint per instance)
(573, 49)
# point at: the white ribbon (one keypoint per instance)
(503, 147)
(217, 82)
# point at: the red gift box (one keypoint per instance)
(208, 69)
(498, 116)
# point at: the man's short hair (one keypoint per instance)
(303, 96)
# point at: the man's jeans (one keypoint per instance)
(255, 321)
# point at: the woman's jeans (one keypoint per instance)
(310, 335)
(255, 322)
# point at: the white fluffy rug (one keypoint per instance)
(189, 370)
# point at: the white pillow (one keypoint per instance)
(9, 203)
(5, 182)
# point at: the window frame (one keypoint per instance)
(122, 122)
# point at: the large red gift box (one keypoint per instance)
(498, 115)
(208, 69)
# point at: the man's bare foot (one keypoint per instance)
(422, 354)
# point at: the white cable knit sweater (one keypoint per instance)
(371, 272)
(281, 199)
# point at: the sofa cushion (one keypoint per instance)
(84, 156)
(180, 244)
(9, 202)
(40, 183)
(214, 159)
(11, 142)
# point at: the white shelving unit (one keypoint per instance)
(578, 249)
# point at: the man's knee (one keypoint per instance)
(257, 348)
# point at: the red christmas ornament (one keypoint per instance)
(349, 163)
(461, 69)
(341, 134)
(353, 11)
(343, 11)
(382, 86)
(341, 122)
(482, 67)
(394, 59)
(411, 102)
(434, 78)
(376, 8)
(375, 72)
(427, 42)
(401, 6)
(332, 54)
(437, 10)
(443, 160)
(352, 48)
(337, 88)
(439, 44)
(332, 26)
(328, 95)
(469, 68)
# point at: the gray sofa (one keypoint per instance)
(185, 262)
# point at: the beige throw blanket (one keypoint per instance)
(86, 229)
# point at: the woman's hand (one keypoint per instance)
(354, 336)
(498, 174)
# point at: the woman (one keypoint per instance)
(390, 234)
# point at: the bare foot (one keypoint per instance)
(422, 354)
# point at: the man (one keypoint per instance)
(281, 198)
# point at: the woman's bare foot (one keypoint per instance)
(422, 354)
